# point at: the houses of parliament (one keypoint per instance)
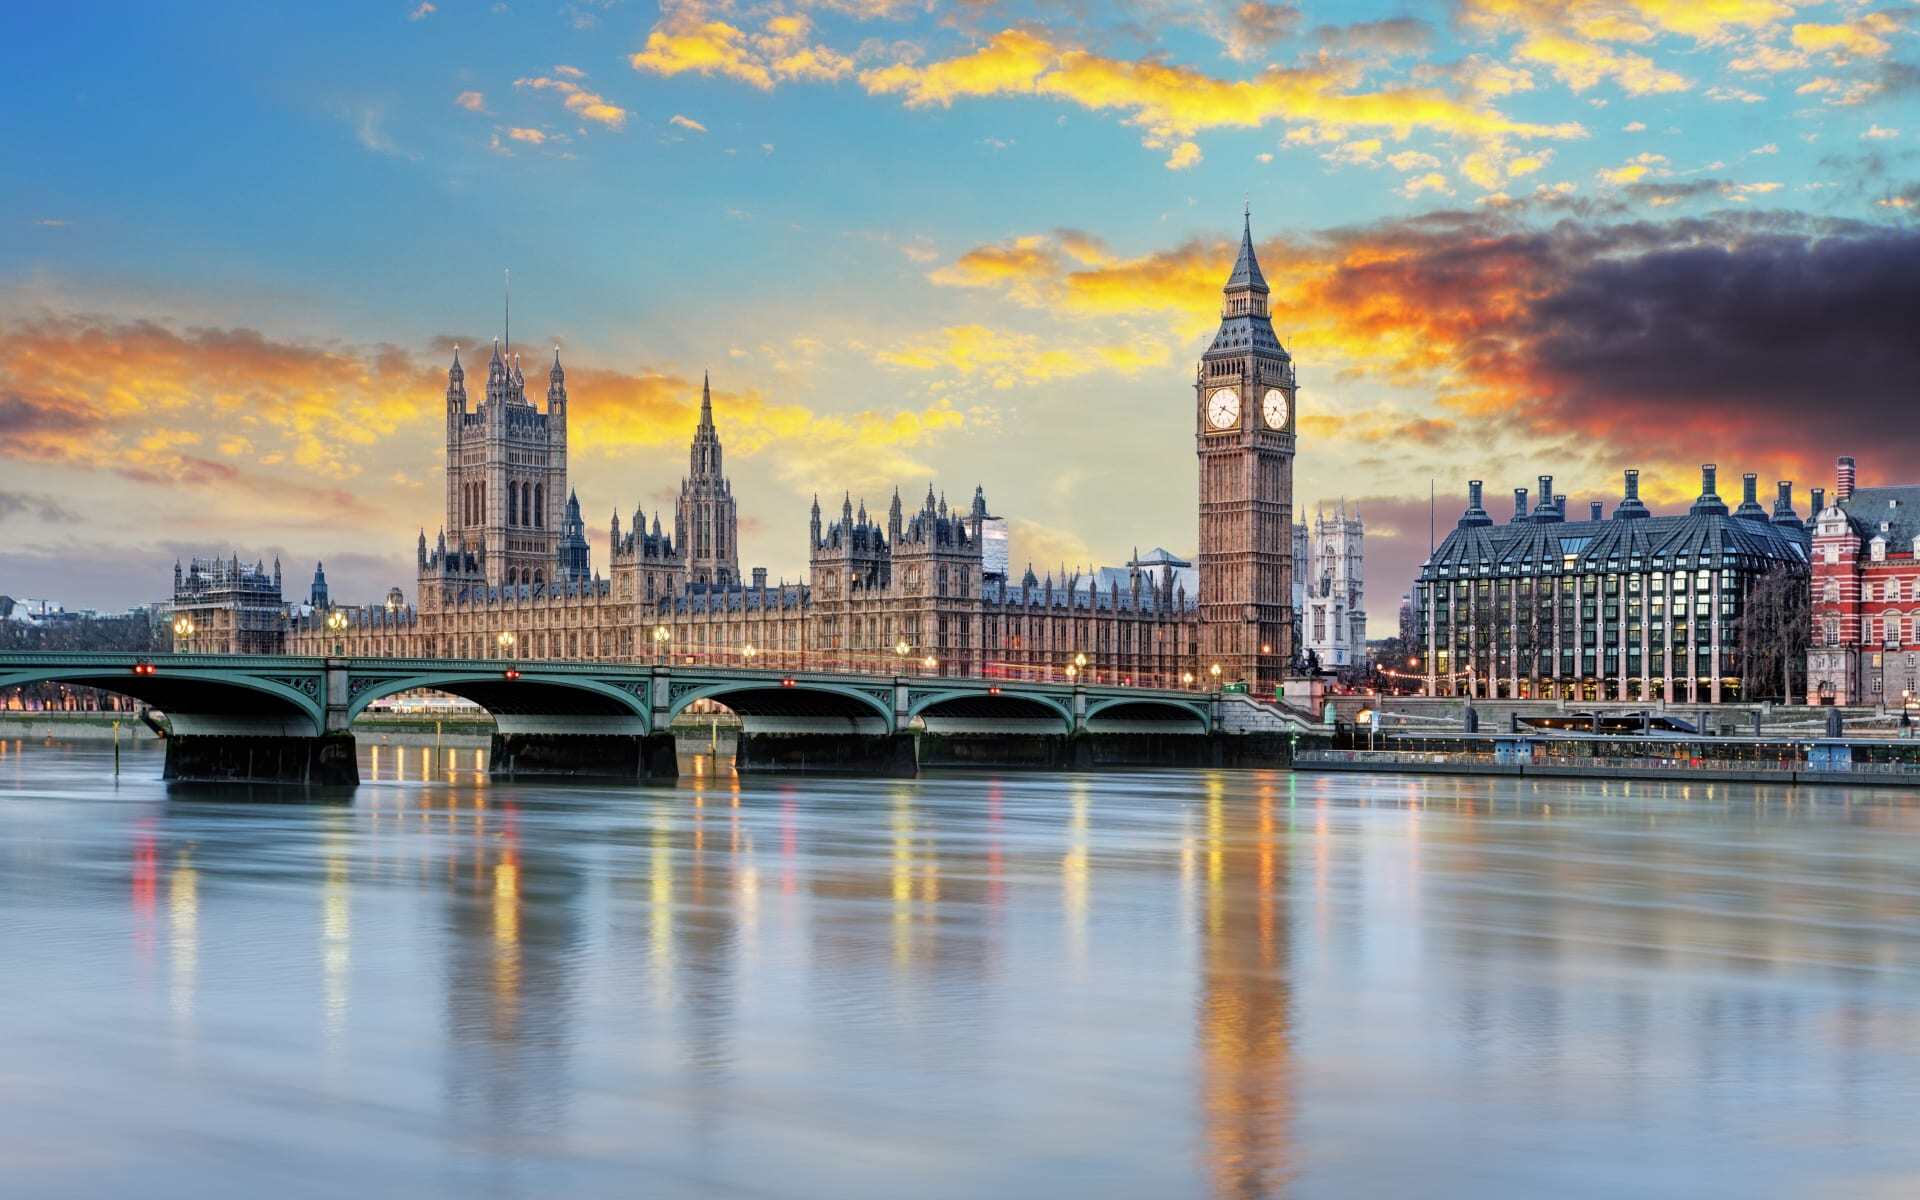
(509, 575)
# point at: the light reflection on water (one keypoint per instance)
(1232, 984)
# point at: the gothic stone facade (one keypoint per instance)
(1636, 607)
(1865, 645)
(508, 576)
(1334, 620)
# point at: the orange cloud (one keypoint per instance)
(1005, 358)
(1636, 21)
(687, 40)
(587, 105)
(1582, 64)
(1172, 103)
(1865, 37)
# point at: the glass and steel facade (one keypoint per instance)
(1631, 607)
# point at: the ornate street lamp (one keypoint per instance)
(505, 642)
(1186, 679)
(661, 635)
(336, 625)
(183, 627)
(931, 664)
(1214, 671)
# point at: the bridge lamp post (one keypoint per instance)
(337, 625)
(900, 652)
(747, 652)
(1079, 663)
(183, 628)
(1214, 671)
(931, 664)
(1186, 679)
(505, 642)
(661, 635)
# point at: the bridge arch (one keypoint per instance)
(1140, 714)
(963, 704)
(770, 704)
(532, 693)
(235, 695)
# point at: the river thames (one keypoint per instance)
(1225, 984)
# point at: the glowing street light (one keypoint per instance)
(1214, 671)
(183, 626)
(336, 625)
(930, 663)
(747, 652)
(1186, 679)
(1072, 670)
(661, 635)
(505, 642)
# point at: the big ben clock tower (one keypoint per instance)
(1244, 428)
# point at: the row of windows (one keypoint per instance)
(1887, 591)
(1894, 629)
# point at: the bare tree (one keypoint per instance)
(1774, 629)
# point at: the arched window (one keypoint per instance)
(539, 577)
(540, 505)
(513, 576)
(515, 512)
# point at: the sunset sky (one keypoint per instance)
(977, 243)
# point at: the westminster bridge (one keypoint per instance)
(265, 717)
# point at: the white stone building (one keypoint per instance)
(1333, 613)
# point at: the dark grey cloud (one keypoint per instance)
(37, 505)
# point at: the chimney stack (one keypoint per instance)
(1519, 504)
(760, 578)
(1783, 504)
(1709, 503)
(1597, 511)
(1843, 479)
(1475, 514)
(1630, 505)
(1818, 500)
(1546, 493)
(1750, 498)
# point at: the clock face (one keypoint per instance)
(1223, 408)
(1274, 408)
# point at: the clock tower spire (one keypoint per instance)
(1244, 437)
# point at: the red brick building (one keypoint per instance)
(1866, 595)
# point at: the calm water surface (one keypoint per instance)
(1229, 984)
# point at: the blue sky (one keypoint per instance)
(979, 244)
